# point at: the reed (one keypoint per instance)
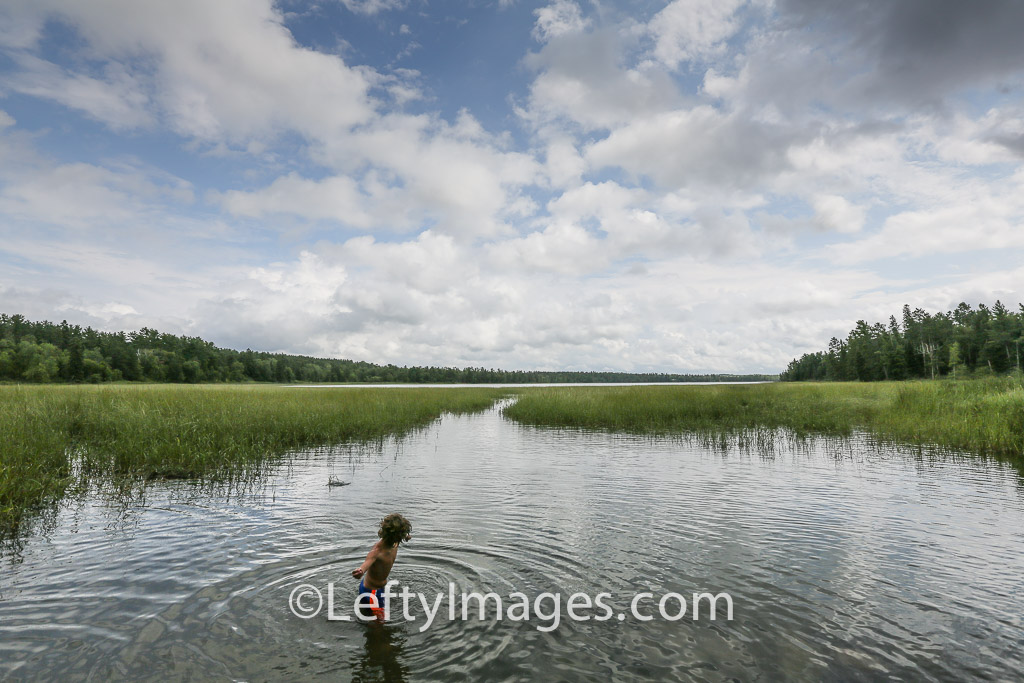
(174, 431)
(53, 437)
(981, 416)
(35, 468)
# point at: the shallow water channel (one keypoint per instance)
(843, 560)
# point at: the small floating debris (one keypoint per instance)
(334, 481)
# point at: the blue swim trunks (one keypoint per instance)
(364, 599)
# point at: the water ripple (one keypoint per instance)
(845, 559)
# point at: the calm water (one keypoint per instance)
(844, 561)
(508, 385)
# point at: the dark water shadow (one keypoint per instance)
(381, 658)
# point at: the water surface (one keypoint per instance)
(845, 561)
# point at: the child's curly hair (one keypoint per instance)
(394, 528)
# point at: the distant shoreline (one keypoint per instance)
(399, 385)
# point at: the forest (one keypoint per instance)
(42, 352)
(964, 342)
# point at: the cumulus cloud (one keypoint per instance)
(686, 30)
(338, 199)
(875, 58)
(582, 79)
(430, 300)
(232, 73)
(215, 71)
(558, 19)
(715, 186)
(918, 50)
(837, 213)
(946, 230)
(425, 172)
(702, 145)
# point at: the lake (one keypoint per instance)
(844, 559)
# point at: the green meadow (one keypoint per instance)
(53, 437)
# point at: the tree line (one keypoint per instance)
(959, 343)
(49, 352)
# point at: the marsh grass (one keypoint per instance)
(35, 468)
(53, 436)
(54, 439)
(981, 416)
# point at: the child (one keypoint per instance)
(375, 568)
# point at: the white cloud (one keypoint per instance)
(79, 195)
(696, 147)
(452, 176)
(430, 300)
(581, 78)
(340, 199)
(836, 213)
(687, 30)
(226, 70)
(458, 184)
(558, 19)
(634, 221)
(561, 247)
(997, 137)
(564, 166)
(372, 7)
(948, 230)
(117, 98)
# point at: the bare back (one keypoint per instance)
(383, 559)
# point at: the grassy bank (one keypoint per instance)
(52, 436)
(189, 431)
(984, 416)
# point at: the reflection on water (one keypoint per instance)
(381, 657)
(844, 560)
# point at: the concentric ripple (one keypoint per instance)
(844, 560)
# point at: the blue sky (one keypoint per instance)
(697, 185)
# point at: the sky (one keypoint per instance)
(690, 186)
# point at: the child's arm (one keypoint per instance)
(371, 557)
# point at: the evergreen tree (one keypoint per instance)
(960, 342)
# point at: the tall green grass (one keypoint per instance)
(147, 431)
(51, 437)
(983, 416)
(35, 470)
